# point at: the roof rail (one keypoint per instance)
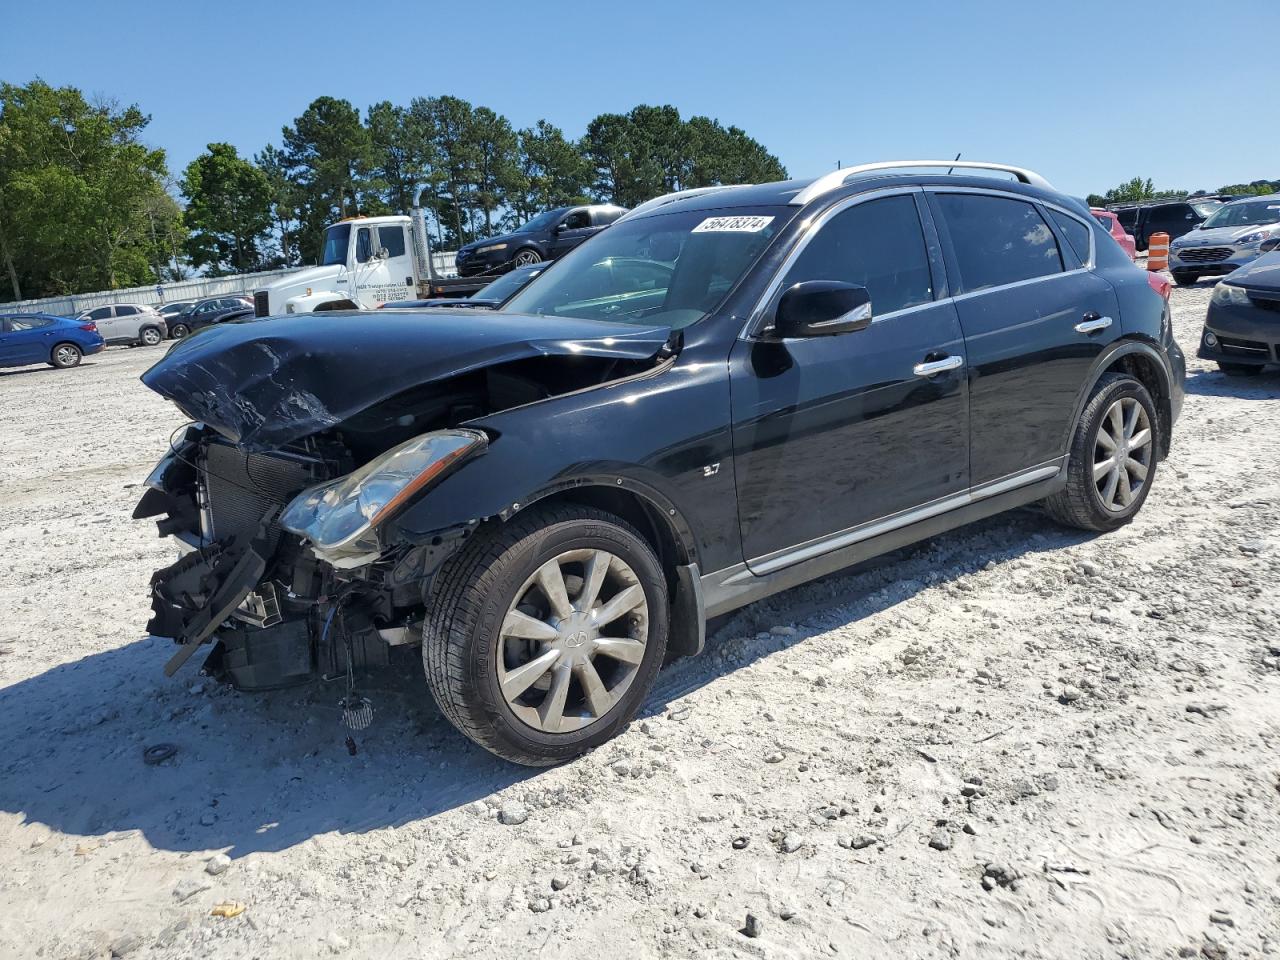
(671, 198)
(838, 178)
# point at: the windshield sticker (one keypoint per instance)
(733, 225)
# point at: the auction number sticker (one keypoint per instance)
(733, 224)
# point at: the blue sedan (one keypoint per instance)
(27, 338)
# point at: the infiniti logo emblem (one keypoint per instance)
(576, 639)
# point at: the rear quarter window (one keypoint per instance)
(1077, 234)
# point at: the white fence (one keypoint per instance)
(75, 304)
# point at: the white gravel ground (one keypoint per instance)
(1011, 741)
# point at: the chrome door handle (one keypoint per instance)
(1093, 325)
(931, 367)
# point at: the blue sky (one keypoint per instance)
(1089, 93)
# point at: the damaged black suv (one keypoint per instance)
(728, 392)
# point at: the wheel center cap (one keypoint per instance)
(576, 631)
(575, 640)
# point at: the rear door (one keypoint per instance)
(1034, 316)
(832, 434)
(105, 319)
(128, 322)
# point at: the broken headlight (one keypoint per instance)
(341, 515)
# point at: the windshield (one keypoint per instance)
(507, 284)
(1253, 213)
(670, 269)
(336, 239)
(540, 222)
(1206, 208)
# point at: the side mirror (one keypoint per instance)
(822, 308)
(560, 228)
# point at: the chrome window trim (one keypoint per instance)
(810, 549)
(810, 230)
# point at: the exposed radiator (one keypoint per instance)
(239, 488)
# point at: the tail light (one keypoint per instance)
(1161, 285)
(90, 326)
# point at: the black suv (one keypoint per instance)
(547, 236)
(551, 499)
(1174, 217)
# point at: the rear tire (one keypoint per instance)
(178, 331)
(65, 355)
(1240, 369)
(1184, 279)
(1113, 457)
(586, 676)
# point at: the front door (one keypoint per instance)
(571, 231)
(26, 339)
(832, 434)
(1034, 316)
(106, 321)
(397, 265)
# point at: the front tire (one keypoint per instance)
(527, 258)
(1240, 369)
(543, 637)
(151, 336)
(1113, 457)
(178, 331)
(65, 356)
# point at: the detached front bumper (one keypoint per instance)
(1242, 334)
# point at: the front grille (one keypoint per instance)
(261, 304)
(1231, 345)
(1205, 254)
(1265, 303)
(240, 488)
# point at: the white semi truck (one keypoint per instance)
(366, 262)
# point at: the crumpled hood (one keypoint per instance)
(263, 383)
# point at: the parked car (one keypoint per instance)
(137, 324)
(204, 312)
(27, 338)
(1174, 217)
(170, 311)
(489, 297)
(547, 236)
(1111, 223)
(1231, 238)
(1242, 330)
(552, 498)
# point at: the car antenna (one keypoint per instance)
(949, 169)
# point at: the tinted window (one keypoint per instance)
(364, 245)
(998, 240)
(392, 240)
(123, 311)
(1177, 216)
(878, 245)
(577, 220)
(605, 217)
(29, 323)
(1076, 232)
(100, 314)
(1128, 219)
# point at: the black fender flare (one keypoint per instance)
(1117, 349)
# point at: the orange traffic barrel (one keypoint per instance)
(1158, 251)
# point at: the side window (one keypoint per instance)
(28, 323)
(102, 313)
(125, 311)
(878, 245)
(577, 220)
(391, 239)
(1077, 234)
(997, 240)
(364, 245)
(602, 218)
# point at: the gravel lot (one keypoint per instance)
(1008, 741)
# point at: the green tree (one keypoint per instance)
(228, 211)
(328, 155)
(76, 185)
(552, 173)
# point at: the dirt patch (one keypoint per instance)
(1008, 741)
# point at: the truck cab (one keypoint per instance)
(365, 262)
